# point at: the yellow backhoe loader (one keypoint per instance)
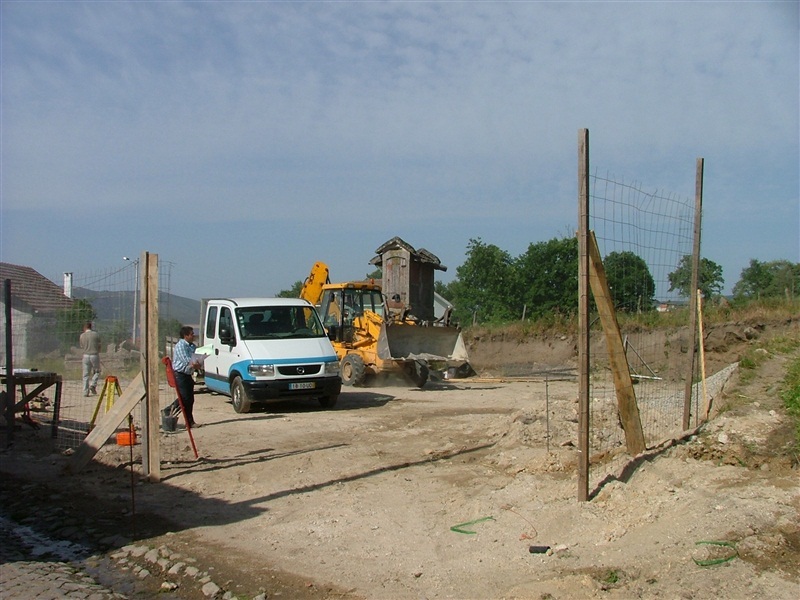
(374, 336)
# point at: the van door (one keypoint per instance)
(226, 348)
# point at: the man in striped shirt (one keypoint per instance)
(183, 366)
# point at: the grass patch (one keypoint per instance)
(790, 394)
(791, 398)
(756, 355)
(611, 577)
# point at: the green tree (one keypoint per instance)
(70, 321)
(445, 290)
(115, 332)
(709, 279)
(546, 277)
(292, 292)
(632, 286)
(768, 280)
(483, 285)
(172, 328)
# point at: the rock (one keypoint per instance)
(151, 556)
(192, 571)
(210, 589)
(176, 568)
(136, 551)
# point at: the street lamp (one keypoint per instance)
(135, 263)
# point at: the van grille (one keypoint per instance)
(299, 370)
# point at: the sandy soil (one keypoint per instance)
(441, 492)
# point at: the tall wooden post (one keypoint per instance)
(583, 315)
(10, 395)
(698, 219)
(151, 451)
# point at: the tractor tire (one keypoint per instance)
(352, 370)
(418, 373)
(239, 397)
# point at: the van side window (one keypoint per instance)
(226, 319)
(211, 323)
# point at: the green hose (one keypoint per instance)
(716, 561)
(458, 528)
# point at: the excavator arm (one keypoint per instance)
(312, 286)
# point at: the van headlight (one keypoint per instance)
(261, 370)
(332, 367)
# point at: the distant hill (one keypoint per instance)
(115, 306)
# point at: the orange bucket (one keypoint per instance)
(126, 438)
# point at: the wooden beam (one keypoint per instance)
(132, 395)
(152, 414)
(701, 347)
(623, 384)
(583, 315)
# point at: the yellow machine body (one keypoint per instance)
(374, 337)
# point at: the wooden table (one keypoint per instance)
(23, 379)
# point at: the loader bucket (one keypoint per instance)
(414, 342)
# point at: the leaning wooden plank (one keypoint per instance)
(626, 398)
(132, 395)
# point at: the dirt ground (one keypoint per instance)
(441, 492)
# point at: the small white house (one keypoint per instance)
(34, 302)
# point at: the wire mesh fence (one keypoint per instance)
(46, 322)
(645, 238)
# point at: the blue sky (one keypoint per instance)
(243, 141)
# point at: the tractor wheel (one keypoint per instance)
(241, 401)
(417, 372)
(352, 370)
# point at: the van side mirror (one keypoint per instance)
(226, 337)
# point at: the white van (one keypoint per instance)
(262, 349)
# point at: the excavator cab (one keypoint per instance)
(341, 306)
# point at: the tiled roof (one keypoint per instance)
(32, 288)
(420, 255)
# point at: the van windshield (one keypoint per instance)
(274, 322)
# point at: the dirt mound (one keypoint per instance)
(508, 354)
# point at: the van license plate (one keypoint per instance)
(306, 385)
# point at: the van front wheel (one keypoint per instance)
(241, 401)
(328, 401)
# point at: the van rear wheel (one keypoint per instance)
(239, 397)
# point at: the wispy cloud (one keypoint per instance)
(270, 112)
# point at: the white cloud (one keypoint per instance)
(430, 109)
